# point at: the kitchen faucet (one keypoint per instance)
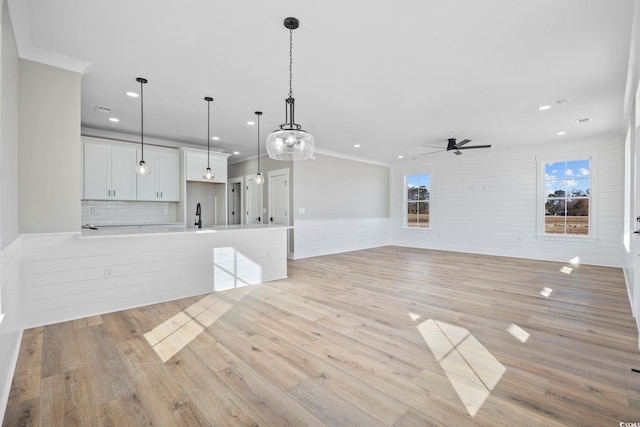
(199, 215)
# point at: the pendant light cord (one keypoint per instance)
(258, 143)
(208, 127)
(290, 63)
(142, 120)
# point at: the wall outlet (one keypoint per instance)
(301, 211)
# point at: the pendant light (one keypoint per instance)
(259, 178)
(142, 168)
(290, 142)
(207, 172)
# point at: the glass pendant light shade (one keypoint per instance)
(290, 142)
(141, 167)
(207, 174)
(259, 179)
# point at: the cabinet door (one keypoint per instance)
(169, 177)
(196, 164)
(147, 185)
(123, 175)
(219, 167)
(97, 171)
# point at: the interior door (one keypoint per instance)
(253, 197)
(279, 197)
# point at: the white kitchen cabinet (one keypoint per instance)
(109, 170)
(195, 162)
(163, 182)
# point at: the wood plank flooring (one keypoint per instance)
(382, 337)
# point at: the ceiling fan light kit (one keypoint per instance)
(290, 142)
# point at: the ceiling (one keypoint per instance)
(390, 76)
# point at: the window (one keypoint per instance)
(566, 200)
(417, 200)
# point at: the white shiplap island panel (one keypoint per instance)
(74, 275)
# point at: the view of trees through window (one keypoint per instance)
(567, 196)
(418, 200)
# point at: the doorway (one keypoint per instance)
(234, 197)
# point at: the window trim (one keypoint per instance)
(405, 201)
(541, 160)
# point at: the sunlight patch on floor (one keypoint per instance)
(472, 370)
(171, 336)
(519, 333)
(546, 292)
(566, 269)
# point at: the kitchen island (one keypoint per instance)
(81, 274)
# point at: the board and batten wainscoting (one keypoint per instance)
(315, 237)
(67, 276)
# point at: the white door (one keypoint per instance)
(253, 197)
(279, 197)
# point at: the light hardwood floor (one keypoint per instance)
(379, 337)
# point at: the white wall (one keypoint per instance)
(485, 202)
(49, 156)
(11, 307)
(632, 163)
(9, 134)
(345, 204)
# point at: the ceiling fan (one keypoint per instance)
(456, 147)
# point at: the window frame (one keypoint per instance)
(541, 198)
(405, 201)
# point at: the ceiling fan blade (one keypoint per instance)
(457, 153)
(432, 152)
(461, 143)
(432, 146)
(474, 146)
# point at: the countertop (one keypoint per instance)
(145, 230)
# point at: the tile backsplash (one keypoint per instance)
(113, 212)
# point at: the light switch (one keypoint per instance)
(301, 211)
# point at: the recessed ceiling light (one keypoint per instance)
(544, 107)
(215, 138)
(250, 123)
(236, 152)
(583, 121)
(132, 94)
(401, 157)
(113, 119)
(356, 145)
(561, 133)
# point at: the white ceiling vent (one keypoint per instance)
(103, 109)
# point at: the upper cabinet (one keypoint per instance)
(163, 182)
(109, 170)
(195, 162)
